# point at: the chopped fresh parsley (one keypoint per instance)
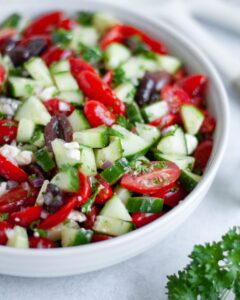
(85, 18)
(4, 216)
(91, 54)
(62, 37)
(118, 76)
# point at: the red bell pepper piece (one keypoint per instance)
(202, 154)
(10, 171)
(40, 243)
(26, 216)
(67, 24)
(56, 106)
(16, 198)
(165, 121)
(77, 65)
(91, 217)
(8, 131)
(94, 88)
(3, 77)
(193, 85)
(55, 54)
(59, 216)
(4, 227)
(98, 114)
(100, 237)
(108, 77)
(120, 32)
(140, 219)
(44, 24)
(105, 193)
(85, 189)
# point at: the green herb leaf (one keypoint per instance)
(118, 76)
(85, 18)
(62, 37)
(4, 216)
(91, 54)
(86, 208)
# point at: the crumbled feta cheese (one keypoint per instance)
(72, 145)
(73, 150)
(77, 216)
(24, 158)
(16, 156)
(63, 106)
(8, 106)
(3, 188)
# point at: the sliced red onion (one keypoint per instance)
(106, 164)
(36, 182)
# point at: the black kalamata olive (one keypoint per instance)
(135, 45)
(36, 46)
(58, 127)
(19, 55)
(151, 86)
(53, 198)
(7, 46)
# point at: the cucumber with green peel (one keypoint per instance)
(33, 109)
(113, 173)
(115, 54)
(94, 137)
(183, 162)
(38, 70)
(18, 238)
(134, 113)
(73, 97)
(125, 92)
(111, 226)
(155, 111)
(60, 66)
(21, 87)
(87, 161)
(40, 198)
(192, 143)
(171, 64)
(78, 120)
(103, 22)
(65, 82)
(38, 139)
(25, 130)
(122, 193)
(189, 180)
(48, 93)
(144, 204)
(74, 237)
(111, 153)
(192, 118)
(67, 180)
(44, 159)
(11, 22)
(150, 134)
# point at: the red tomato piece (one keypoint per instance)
(2, 77)
(40, 243)
(208, 124)
(202, 154)
(180, 74)
(113, 35)
(44, 24)
(100, 237)
(94, 88)
(91, 217)
(140, 219)
(26, 216)
(67, 24)
(157, 176)
(10, 171)
(16, 198)
(59, 216)
(108, 77)
(175, 97)
(8, 131)
(85, 189)
(197, 101)
(4, 227)
(6, 33)
(77, 65)
(55, 54)
(56, 106)
(105, 193)
(98, 114)
(194, 85)
(165, 121)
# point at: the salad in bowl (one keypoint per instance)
(102, 130)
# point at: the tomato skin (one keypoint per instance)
(105, 193)
(3, 76)
(10, 171)
(56, 106)
(202, 154)
(172, 195)
(108, 77)
(40, 243)
(194, 85)
(100, 237)
(6, 33)
(94, 88)
(98, 114)
(44, 24)
(8, 131)
(4, 226)
(77, 65)
(165, 121)
(180, 74)
(67, 24)
(55, 54)
(85, 190)
(26, 216)
(153, 180)
(140, 219)
(91, 217)
(208, 124)
(59, 216)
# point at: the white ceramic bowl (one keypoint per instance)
(75, 260)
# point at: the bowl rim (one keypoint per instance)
(208, 175)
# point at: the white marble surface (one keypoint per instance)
(144, 277)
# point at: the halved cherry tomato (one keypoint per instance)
(105, 193)
(10, 171)
(100, 237)
(16, 198)
(157, 176)
(26, 216)
(40, 243)
(108, 77)
(8, 131)
(172, 195)
(2, 77)
(118, 33)
(175, 97)
(59, 216)
(180, 74)
(67, 24)
(202, 154)
(165, 121)
(208, 124)
(55, 53)
(4, 227)
(77, 65)
(193, 85)
(44, 24)
(85, 189)
(197, 101)
(98, 114)
(56, 106)
(91, 217)
(94, 88)
(140, 219)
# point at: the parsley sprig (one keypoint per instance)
(213, 273)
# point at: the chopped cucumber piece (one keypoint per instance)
(183, 162)
(67, 180)
(40, 199)
(85, 35)
(114, 208)
(102, 21)
(38, 138)
(113, 173)
(33, 109)
(189, 180)
(125, 92)
(60, 66)
(87, 161)
(134, 113)
(11, 22)
(48, 93)
(38, 69)
(150, 134)
(144, 204)
(22, 87)
(155, 111)
(170, 63)
(75, 237)
(192, 143)
(78, 120)
(74, 97)
(111, 226)
(122, 193)
(25, 130)
(18, 238)
(93, 137)
(44, 159)
(115, 54)
(192, 118)
(65, 82)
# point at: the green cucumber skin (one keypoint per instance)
(134, 113)
(144, 204)
(113, 173)
(188, 182)
(44, 160)
(82, 237)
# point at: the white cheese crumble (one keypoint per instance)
(63, 106)
(16, 156)
(3, 188)
(8, 106)
(77, 216)
(73, 150)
